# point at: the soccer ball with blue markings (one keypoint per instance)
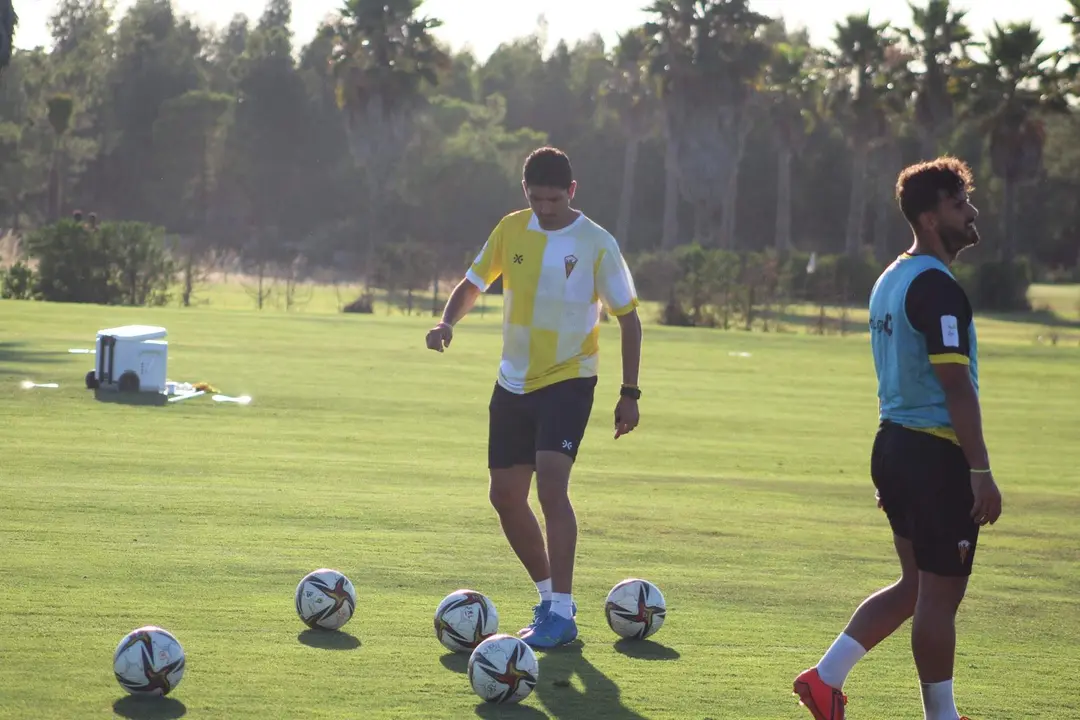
(149, 661)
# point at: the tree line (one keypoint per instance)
(720, 146)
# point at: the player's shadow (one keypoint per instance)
(646, 650)
(329, 639)
(455, 662)
(601, 698)
(149, 708)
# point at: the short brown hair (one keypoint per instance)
(920, 186)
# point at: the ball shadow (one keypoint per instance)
(455, 662)
(646, 650)
(149, 707)
(329, 639)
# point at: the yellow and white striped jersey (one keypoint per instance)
(553, 284)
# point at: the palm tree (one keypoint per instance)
(863, 96)
(629, 92)
(709, 58)
(792, 87)
(383, 56)
(8, 21)
(940, 39)
(1014, 88)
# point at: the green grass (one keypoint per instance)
(744, 495)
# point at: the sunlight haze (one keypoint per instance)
(484, 24)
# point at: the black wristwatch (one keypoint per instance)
(630, 391)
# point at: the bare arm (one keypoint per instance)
(964, 412)
(460, 302)
(630, 329)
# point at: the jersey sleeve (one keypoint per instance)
(938, 308)
(614, 284)
(487, 267)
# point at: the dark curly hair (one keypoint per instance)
(920, 187)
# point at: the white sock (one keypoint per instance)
(562, 604)
(938, 701)
(544, 588)
(839, 659)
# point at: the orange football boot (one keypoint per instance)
(823, 701)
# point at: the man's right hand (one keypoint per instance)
(987, 507)
(439, 337)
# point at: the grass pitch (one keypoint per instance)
(744, 496)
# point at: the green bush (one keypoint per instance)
(18, 282)
(123, 263)
(718, 288)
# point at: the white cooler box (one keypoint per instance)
(131, 358)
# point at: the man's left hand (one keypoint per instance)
(626, 416)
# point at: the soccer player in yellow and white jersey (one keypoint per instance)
(557, 268)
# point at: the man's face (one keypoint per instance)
(550, 204)
(955, 222)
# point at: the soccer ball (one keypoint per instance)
(464, 619)
(325, 599)
(149, 661)
(635, 609)
(503, 669)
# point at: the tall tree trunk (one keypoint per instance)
(729, 211)
(626, 199)
(671, 197)
(857, 210)
(888, 162)
(1007, 250)
(784, 158)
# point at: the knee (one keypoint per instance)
(507, 499)
(908, 590)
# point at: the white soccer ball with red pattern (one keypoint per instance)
(635, 609)
(464, 619)
(503, 669)
(149, 661)
(325, 599)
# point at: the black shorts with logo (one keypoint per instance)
(551, 418)
(924, 482)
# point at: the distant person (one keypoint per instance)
(93, 220)
(77, 216)
(929, 461)
(557, 266)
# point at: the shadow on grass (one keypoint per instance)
(329, 639)
(601, 697)
(524, 712)
(17, 354)
(149, 708)
(140, 399)
(646, 650)
(455, 662)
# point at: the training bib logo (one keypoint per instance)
(950, 335)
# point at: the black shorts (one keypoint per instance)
(924, 482)
(551, 418)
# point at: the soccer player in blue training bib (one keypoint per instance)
(929, 462)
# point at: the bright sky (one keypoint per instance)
(484, 24)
